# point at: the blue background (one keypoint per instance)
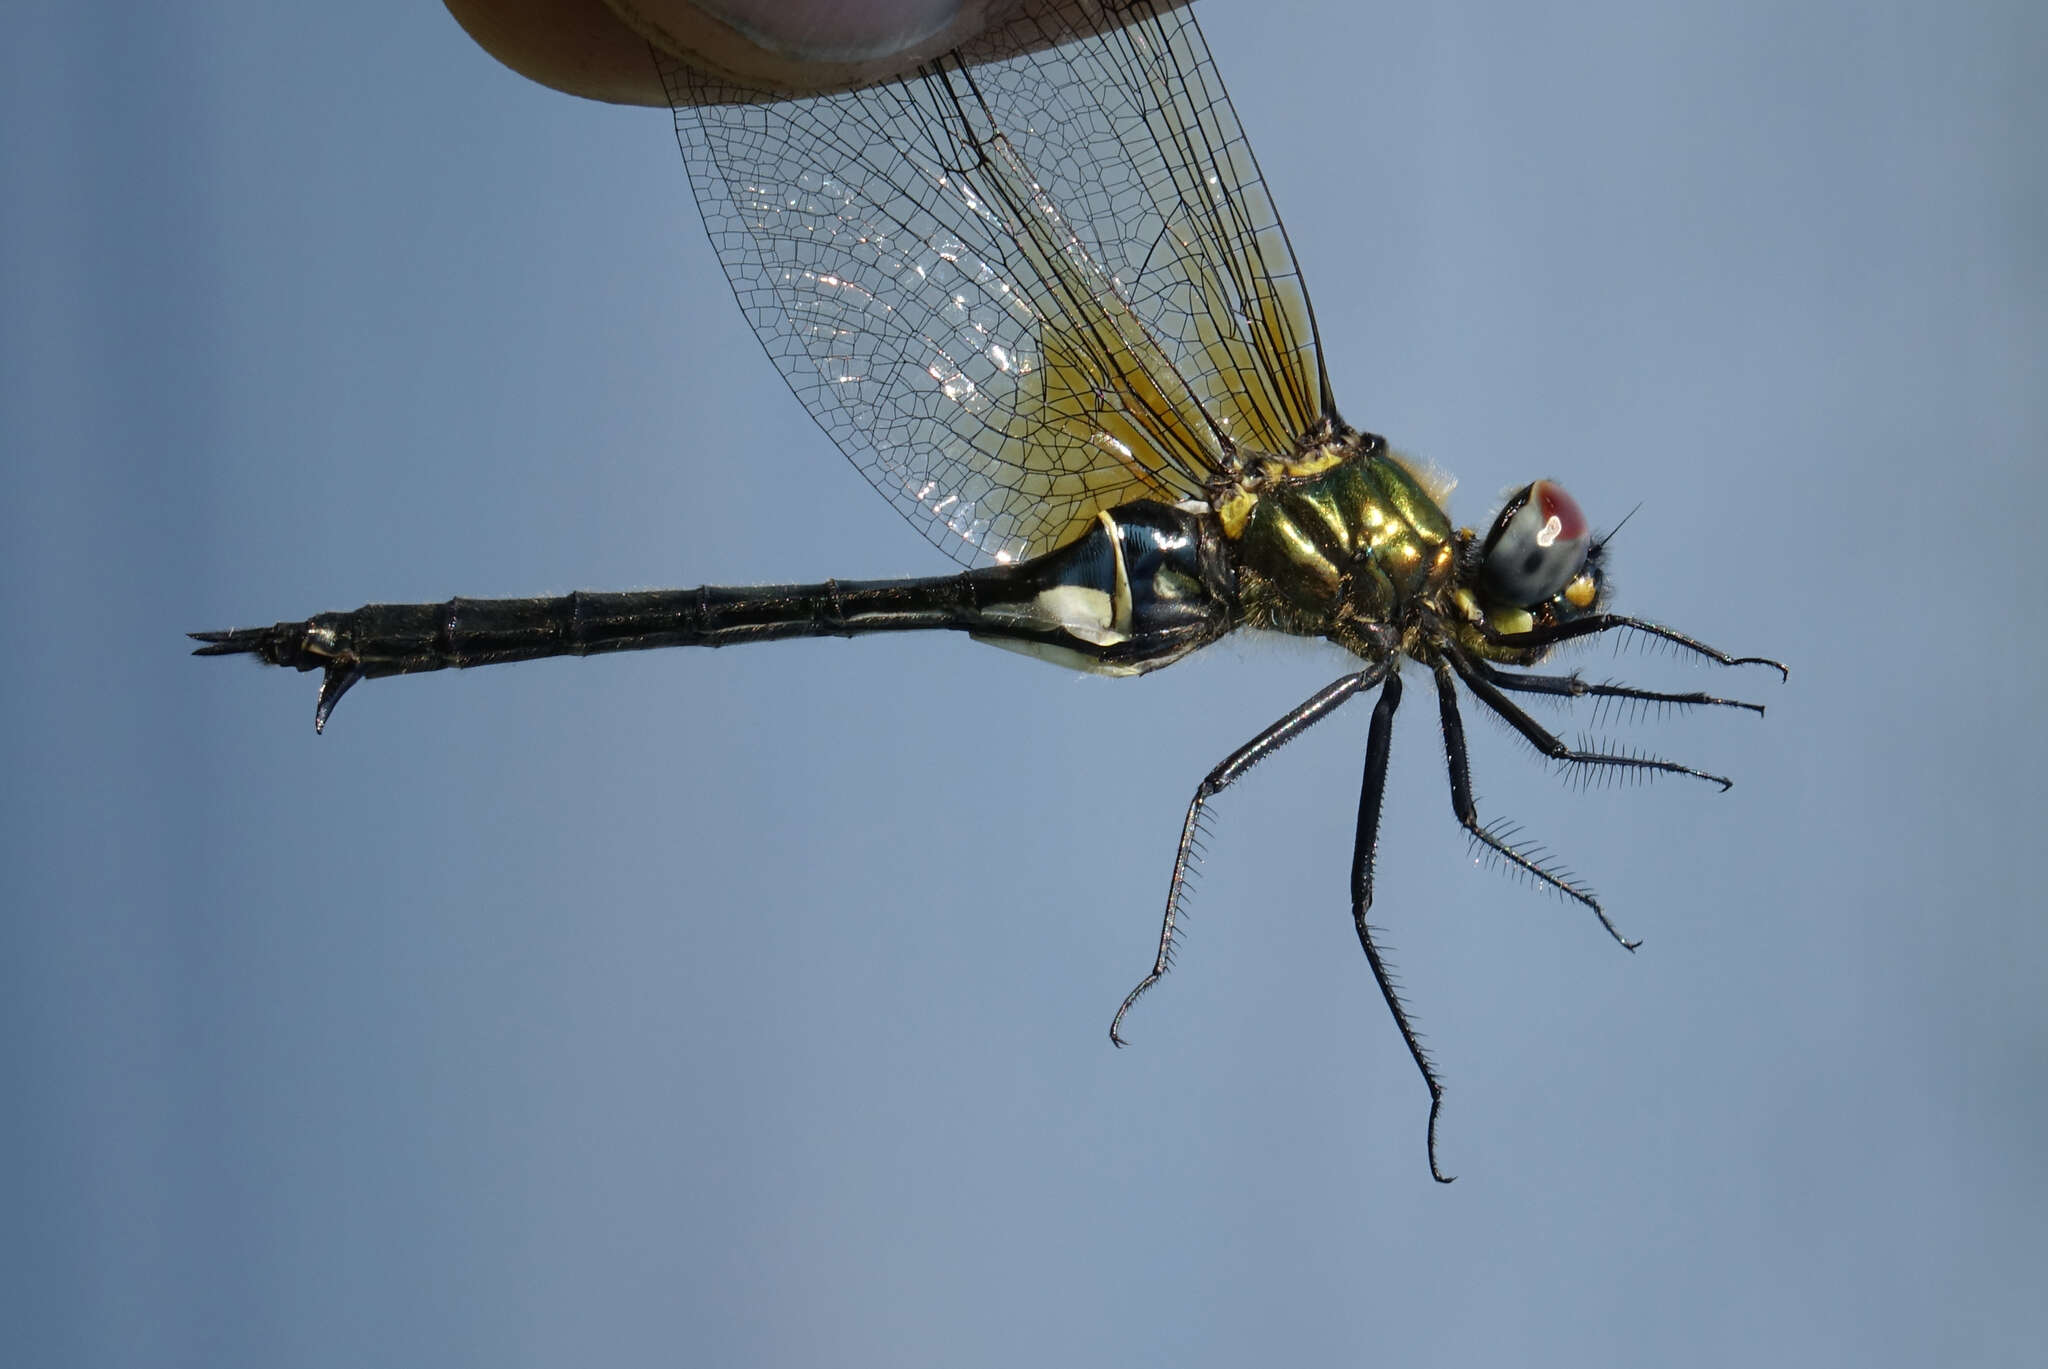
(750, 1006)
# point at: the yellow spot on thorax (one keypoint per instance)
(1234, 510)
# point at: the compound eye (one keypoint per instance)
(1537, 546)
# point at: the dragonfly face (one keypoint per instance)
(1539, 566)
(1038, 293)
(1537, 551)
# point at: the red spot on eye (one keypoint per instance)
(1555, 503)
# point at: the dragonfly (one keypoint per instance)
(1037, 291)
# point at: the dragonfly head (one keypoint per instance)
(1539, 562)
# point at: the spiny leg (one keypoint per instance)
(1573, 687)
(1310, 712)
(1460, 768)
(1547, 742)
(1371, 790)
(1609, 622)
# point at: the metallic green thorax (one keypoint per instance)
(1344, 552)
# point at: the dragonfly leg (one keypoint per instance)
(1483, 688)
(1529, 862)
(1610, 622)
(1573, 687)
(1373, 788)
(1311, 711)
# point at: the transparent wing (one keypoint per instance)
(1038, 278)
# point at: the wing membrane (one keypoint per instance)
(1037, 278)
